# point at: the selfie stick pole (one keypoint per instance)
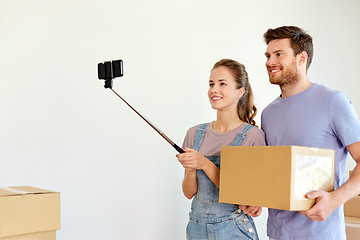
(179, 149)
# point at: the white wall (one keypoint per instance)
(61, 130)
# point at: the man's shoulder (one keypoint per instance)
(324, 91)
(271, 105)
(331, 97)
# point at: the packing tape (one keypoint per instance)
(312, 173)
(17, 191)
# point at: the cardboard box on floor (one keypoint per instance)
(51, 235)
(352, 207)
(274, 176)
(350, 172)
(352, 217)
(352, 228)
(28, 213)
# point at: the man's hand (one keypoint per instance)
(324, 205)
(251, 210)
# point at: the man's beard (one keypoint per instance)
(289, 76)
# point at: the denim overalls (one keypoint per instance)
(210, 219)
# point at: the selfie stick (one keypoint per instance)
(108, 71)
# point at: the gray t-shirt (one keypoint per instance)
(213, 141)
(317, 117)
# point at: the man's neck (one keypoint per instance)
(289, 90)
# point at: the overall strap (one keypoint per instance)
(241, 136)
(199, 136)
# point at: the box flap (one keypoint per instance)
(47, 235)
(12, 191)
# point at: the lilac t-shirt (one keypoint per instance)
(213, 141)
(317, 117)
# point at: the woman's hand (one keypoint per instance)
(251, 210)
(191, 159)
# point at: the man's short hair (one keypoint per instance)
(299, 40)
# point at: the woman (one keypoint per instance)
(231, 96)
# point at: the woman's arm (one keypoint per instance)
(189, 184)
(193, 160)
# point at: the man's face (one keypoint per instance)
(281, 63)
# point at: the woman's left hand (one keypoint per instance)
(251, 210)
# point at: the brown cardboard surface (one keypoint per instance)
(51, 235)
(352, 207)
(350, 172)
(26, 210)
(264, 176)
(352, 228)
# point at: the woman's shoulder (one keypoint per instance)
(192, 130)
(256, 131)
(190, 136)
(195, 127)
(255, 137)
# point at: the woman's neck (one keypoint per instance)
(226, 122)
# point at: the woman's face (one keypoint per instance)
(223, 93)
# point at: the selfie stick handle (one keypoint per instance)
(179, 149)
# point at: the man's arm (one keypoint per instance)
(326, 203)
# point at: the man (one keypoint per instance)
(309, 114)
